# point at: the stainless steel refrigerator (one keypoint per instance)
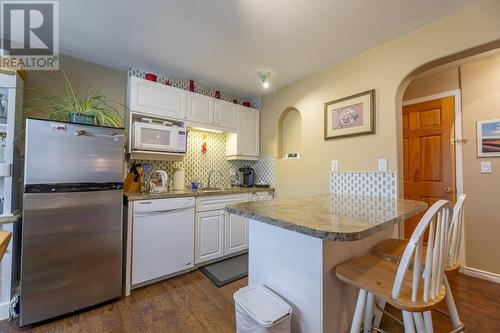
(71, 254)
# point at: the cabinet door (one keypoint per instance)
(225, 114)
(200, 108)
(209, 235)
(156, 99)
(248, 132)
(236, 234)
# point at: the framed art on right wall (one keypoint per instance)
(488, 138)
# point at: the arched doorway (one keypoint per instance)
(472, 83)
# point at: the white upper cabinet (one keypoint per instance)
(249, 130)
(225, 114)
(244, 144)
(200, 108)
(156, 99)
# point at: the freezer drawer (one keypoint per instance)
(72, 153)
(71, 252)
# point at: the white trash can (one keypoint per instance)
(259, 310)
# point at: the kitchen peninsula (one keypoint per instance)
(295, 243)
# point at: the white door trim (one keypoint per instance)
(458, 146)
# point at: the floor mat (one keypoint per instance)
(227, 271)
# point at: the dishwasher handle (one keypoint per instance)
(164, 211)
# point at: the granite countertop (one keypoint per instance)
(329, 216)
(132, 196)
(16, 216)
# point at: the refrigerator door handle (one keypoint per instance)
(88, 133)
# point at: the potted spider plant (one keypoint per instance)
(93, 109)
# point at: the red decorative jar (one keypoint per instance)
(191, 85)
(151, 77)
(246, 103)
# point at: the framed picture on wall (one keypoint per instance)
(488, 138)
(350, 116)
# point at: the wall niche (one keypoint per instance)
(290, 134)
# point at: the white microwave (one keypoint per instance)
(160, 136)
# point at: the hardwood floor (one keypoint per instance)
(477, 303)
(191, 303)
(187, 303)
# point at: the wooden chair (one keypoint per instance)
(393, 249)
(414, 291)
(4, 242)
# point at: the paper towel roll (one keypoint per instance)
(178, 179)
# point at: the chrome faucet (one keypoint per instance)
(209, 185)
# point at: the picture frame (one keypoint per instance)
(350, 116)
(488, 138)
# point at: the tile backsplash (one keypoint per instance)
(360, 183)
(255, 102)
(198, 165)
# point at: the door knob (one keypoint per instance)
(448, 189)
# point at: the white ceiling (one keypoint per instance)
(224, 43)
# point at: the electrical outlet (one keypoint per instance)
(335, 165)
(486, 167)
(382, 164)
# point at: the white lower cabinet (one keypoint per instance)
(209, 235)
(218, 233)
(236, 234)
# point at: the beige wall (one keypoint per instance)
(81, 74)
(388, 69)
(432, 84)
(480, 90)
(480, 82)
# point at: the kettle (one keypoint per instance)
(163, 186)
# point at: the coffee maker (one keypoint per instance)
(246, 176)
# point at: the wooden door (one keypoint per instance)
(428, 153)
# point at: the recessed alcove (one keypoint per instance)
(290, 134)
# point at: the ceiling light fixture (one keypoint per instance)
(264, 77)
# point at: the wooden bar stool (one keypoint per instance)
(4, 242)
(415, 292)
(393, 249)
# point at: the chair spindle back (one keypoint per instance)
(456, 230)
(437, 220)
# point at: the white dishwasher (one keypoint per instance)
(162, 238)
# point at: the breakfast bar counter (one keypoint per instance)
(295, 244)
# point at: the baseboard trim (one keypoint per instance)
(493, 277)
(4, 310)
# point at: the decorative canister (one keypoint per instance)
(178, 179)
